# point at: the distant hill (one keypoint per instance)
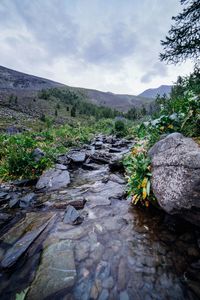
(152, 93)
(27, 86)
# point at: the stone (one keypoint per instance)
(27, 200)
(71, 216)
(98, 145)
(13, 254)
(124, 296)
(60, 167)
(76, 155)
(3, 195)
(63, 159)
(38, 154)
(53, 179)
(176, 176)
(57, 272)
(14, 201)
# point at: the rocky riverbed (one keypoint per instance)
(75, 236)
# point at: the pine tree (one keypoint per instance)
(183, 40)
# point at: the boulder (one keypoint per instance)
(176, 176)
(54, 179)
(27, 200)
(76, 155)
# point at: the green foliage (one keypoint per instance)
(120, 128)
(183, 38)
(137, 165)
(16, 152)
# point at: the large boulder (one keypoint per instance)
(176, 176)
(54, 179)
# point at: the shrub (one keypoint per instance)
(120, 128)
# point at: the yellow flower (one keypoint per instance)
(144, 182)
(170, 126)
(162, 128)
(144, 193)
(147, 203)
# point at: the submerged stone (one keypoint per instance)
(56, 272)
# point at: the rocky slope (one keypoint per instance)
(161, 90)
(26, 86)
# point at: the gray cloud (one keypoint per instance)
(117, 40)
(157, 69)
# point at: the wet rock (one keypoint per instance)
(53, 179)
(118, 179)
(122, 279)
(76, 155)
(175, 176)
(72, 234)
(114, 150)
(63, 159)
(56, 272)
(38, 154)
(14, 200)
(101, 158)
(90, 167)
(108, 283)
(104, 295)
(3, 195)
(82, 250)
(24, 182)
(116, 164)
(13, 254)
(60, 167)
(77, 204)
(72, 216)
(98, 145)
(27, 200)
(4, 217)
(124, 296)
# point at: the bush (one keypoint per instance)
(120, 128)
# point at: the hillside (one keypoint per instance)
(24, 85)
(152, 93)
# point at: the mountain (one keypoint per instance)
(14, 80)
(152, 93)
(26, 86)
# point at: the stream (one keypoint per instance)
(117, 252)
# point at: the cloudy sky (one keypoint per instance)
(110, 45)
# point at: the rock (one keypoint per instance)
(27, 200)
(72, 216)
(53, 179)
(176, 176)
(3, 195)
(77, 155)
(13, 254)
(77, 204)
(24, 182)
(38, 154)
(14, 201)
(56, 272)
(116, 164)
(60, 167)
(63, 159)
(98, 145)
(101, 158)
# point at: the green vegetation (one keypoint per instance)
(179, 113)
(17, 158)
(183, 38)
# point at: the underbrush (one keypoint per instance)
(17, 159)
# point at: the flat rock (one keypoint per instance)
(27, 200)
(56, 272)
(53, 179)
(14, 253)
(77, 156)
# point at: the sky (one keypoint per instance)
(109, 45)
